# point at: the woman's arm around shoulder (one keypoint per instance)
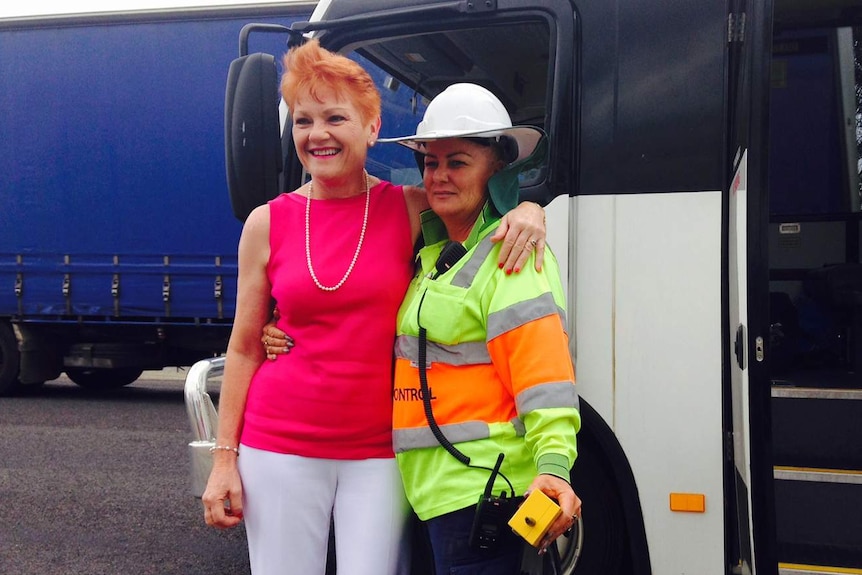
(521, 231)
(417, 202)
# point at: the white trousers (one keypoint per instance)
(288, 501)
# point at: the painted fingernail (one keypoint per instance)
(517, 270)
(508, 272)
(500, 266)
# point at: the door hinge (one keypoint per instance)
(735, 27)
(478, 5)
(728, 446)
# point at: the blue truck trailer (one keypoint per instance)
(117, 239)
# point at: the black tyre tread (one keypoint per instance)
(10, 360)
(605, 550)
(95, 378)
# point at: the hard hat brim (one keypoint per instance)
(528, 137)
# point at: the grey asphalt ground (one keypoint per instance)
(98, 484)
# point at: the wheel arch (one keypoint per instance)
(595, 435)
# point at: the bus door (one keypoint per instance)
(748, 481)
(815, 284)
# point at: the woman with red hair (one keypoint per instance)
(314, 428)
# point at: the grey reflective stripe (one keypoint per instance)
(469, 353)
(545, 395)
(522, 313)
(518, 424)
(465, 276)
(420, 437)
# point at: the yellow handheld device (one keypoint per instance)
(534, 517)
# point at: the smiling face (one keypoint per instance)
(331, 137)
(456, 178)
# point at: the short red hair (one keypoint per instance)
(308, 69)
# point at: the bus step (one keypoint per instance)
(817, 427)
(817, 518)
(795, 569)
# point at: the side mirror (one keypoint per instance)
(253, 155)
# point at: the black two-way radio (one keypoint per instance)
(491, 521)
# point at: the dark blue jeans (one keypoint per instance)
(450, 535)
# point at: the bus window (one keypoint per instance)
(411, 70)
(814, 166)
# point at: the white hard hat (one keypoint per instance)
(469, 111)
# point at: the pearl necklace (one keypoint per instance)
(308, 238)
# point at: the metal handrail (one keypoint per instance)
(203, 418)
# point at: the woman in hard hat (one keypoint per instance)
(310, 436)
(482, 358)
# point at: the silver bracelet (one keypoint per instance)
(225, 448)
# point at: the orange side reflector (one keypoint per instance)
(690, 502)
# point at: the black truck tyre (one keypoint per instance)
(101, 379)
(10, 360)
(599, 545)
(611, 539)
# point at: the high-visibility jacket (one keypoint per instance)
(499, 372)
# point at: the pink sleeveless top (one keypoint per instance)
(331, 396)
